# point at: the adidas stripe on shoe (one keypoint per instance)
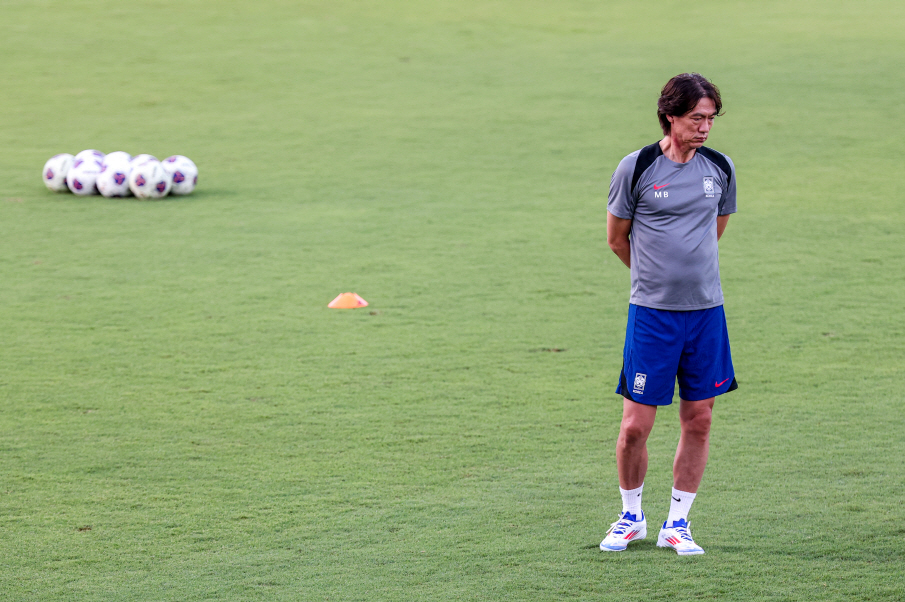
(678, 537)
(625, 530)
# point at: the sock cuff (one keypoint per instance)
(631, 499)
(635, 491)
(680, 505)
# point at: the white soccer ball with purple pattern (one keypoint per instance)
(184, 174)
(117, 157)
(82, 177)
(55, 170)
(91, 154)
(142, 158)
(113, 181)
(150, 180)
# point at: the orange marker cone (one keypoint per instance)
(347, 301)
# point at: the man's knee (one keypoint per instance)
(637, 422)
(632, 435)
(697, 422)
(634, 432)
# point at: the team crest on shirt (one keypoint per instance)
(708, 186)
(640, 381)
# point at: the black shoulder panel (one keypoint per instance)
(646, 158)
(718, 159)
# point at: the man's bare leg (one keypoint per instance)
(694, 444)
(631, 447)
(688, 470)
(631, 463)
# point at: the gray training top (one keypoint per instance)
(673, 208)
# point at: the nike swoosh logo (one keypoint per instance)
(677, 499)
(659, 187)
(721, 383)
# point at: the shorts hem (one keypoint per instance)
(622, 389)
(732, 387)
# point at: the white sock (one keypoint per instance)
(680, 505)
(631, 500)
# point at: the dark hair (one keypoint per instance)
(682, 93)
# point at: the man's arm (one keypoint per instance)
(617, 231)
(721, 221)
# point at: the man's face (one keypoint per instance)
(691, 129)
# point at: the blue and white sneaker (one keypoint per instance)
(625, 530)
(678, 537)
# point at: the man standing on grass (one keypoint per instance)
(668, 206)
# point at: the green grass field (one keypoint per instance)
(183, 418)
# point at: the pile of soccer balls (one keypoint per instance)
(120, 174)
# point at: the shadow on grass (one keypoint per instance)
(204, 194)
(646, 548)
(197, 195)
(635, 546)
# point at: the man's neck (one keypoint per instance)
(674, 151)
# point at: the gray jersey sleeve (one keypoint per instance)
(727, 202)
(622, 200)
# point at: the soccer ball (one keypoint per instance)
(90, 154)
(117, 157)
(142, 158)
(150, 181)
(55, 170)
(184, 174)
(113, 181)
(82, 177)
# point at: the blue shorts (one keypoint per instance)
(662, 346)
